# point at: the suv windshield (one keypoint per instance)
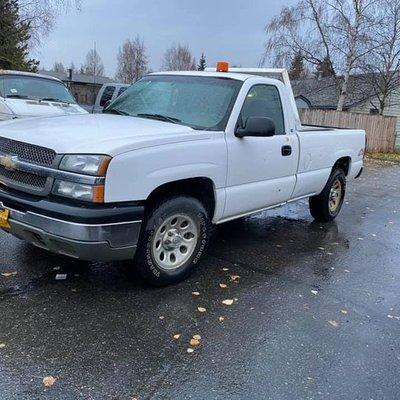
(27, 87)
(195, 101)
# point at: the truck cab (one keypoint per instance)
(108, 93)
(176, 153)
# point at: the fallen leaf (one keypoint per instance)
(197, 337)
(345, 312)
(335, 324)
(201, 309)
(49, 381)
(195, 293)
(221, 319)
(8, 274)
(177, 336)
(189, 350)
(2, 345)
(227, 302)
(194, 342)
(315, 292)
(223, 285)
(56, 268)
(235, 278)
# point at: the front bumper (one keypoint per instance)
(94, 233)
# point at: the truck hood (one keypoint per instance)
(32, 108)
(97, 133)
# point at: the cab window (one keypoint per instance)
(264, 101)
(107, 95)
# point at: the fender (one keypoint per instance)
(132, 176)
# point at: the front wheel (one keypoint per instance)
(326, 206)
(174, 237)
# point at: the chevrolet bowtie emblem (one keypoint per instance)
(9, 162)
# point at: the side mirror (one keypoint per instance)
(257, 126)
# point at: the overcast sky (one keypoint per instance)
(230, 30)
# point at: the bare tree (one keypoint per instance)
(336, 33)
(42, 15)
(132, 61)
(178, 58)
(382, 67)
(93, 64)
(58, 67)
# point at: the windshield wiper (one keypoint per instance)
(114, 111)
(54, 99)
(160, 117)
(19, 96)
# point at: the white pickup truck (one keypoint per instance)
(174, 154)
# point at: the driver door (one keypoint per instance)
(261, 170)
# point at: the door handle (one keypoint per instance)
(286, 150)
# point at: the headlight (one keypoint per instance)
(85, 164)
(79, 191)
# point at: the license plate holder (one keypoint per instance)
(4, 218)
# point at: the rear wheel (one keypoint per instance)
(174, 237)
(326, 206)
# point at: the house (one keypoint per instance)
(83, 87)
(324, 93)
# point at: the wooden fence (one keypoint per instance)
(381, 131)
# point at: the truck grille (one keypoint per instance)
(27, 152)
(30, 153)
(23, 178)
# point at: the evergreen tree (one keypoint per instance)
(202, 63)
(297, 70)
(14, 38)
(325, 68)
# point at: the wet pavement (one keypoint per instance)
(315, 313)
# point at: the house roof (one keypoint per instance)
(78, 78)
(324, 92)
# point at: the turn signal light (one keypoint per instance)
(98, 194)
(222, 66)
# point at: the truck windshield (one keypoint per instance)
(196, 101)
(34, 88)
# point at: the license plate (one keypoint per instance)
(4, 215)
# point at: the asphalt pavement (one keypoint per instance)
(285, 308)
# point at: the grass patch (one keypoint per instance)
(394, 157)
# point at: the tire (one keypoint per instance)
(326, 206)
(174, 236)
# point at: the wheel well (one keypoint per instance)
(199, 188)
(344, 164)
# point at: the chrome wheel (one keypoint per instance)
(335, 196)
(175, 241)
